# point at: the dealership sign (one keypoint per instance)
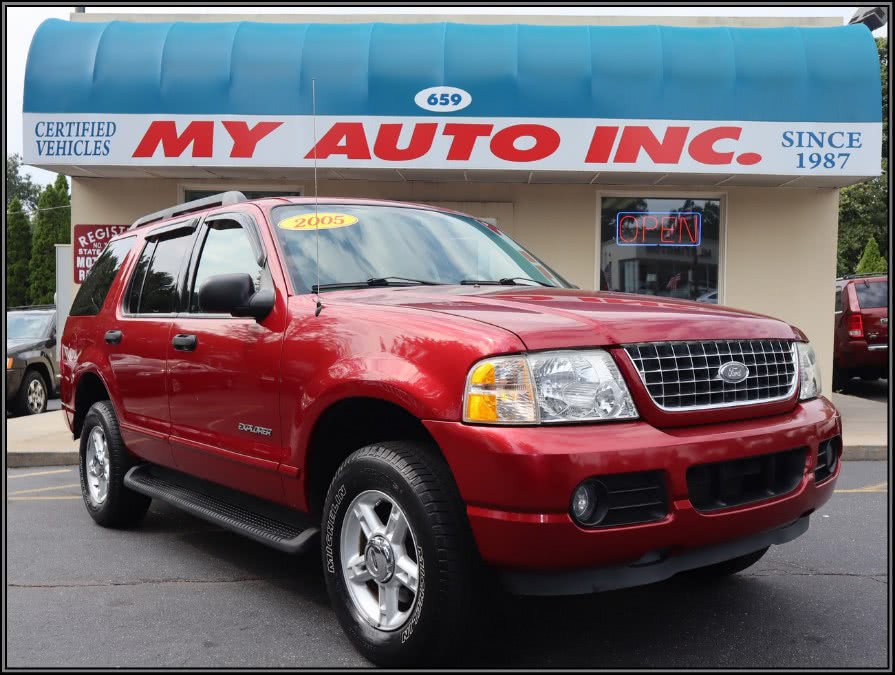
(89, 242)
(445, 142)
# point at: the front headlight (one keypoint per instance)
(9, 362)
(545, 387)
(809, 372)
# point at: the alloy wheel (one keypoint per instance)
(98, 466)
(37, 396)
(379, 560)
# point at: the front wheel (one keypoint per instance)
(397, 555)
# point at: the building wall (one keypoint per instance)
(779, 257)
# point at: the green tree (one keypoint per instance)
(20, 185)
(18, 254)
(863, 214)
(52, 225)
(882, 48)
(872, 261)
(864, 207)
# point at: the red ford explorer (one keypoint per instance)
(861, 339)
(437, 406)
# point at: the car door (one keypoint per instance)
(224, 371)
(137, 339)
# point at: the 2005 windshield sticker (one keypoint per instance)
(317, 221)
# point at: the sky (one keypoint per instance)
(22, 22)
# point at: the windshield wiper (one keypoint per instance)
(506, 281)
(373, 282)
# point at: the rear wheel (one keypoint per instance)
(840, 379)
(398, 556)
(728, 567)
(103, 462)
(32, 396)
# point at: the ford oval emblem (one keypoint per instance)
(733, 372)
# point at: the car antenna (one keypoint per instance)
(316, 216)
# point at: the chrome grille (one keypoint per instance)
(684, 375)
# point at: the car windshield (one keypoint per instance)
(27, 325)
(873, 294)
(382, 245)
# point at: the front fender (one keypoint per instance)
(386, 378)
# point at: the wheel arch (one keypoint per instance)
(346, 425)
(89, 389)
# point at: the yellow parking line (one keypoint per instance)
(879, 487)
(39, 498)
(45, 489)
(39, 473)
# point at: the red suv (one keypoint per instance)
(438, 405)
(862, 329)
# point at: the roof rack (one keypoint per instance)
(222, 199)
(863, 276)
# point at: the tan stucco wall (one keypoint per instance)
(781, 248)
(779, 257)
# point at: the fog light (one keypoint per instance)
(583, 502)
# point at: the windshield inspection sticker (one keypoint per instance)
(317, 221)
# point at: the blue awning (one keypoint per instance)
(633, 72)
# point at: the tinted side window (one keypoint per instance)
(92, 293)
(159, 266)
(227, 250)
(838, 300)
(132, 301)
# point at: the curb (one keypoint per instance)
(863, 453)
(20, 460)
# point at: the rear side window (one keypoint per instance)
(154, 288)
(872, 294)
(92, 293)
(838, 299)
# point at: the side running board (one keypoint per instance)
(266, 523)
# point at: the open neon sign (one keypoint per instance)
(658, 228)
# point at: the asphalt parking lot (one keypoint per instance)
(181, 593)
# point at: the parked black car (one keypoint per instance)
(32, 370)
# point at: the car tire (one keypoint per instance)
(728, 567)
(32, 396)
(400, 627)
(840, 379)
(103, 462)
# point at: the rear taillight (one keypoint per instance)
(855, 326)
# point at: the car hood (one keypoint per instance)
(551, 318)
(14, 346)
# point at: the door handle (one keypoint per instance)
(113, 337)
(185, 343)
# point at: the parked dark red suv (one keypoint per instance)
(438, 405)
(861, 343)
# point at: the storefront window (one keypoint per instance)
(661, 246)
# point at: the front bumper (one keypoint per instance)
(13, 382)
(517, 483)
(651, 568)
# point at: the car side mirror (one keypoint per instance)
(235, 294)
